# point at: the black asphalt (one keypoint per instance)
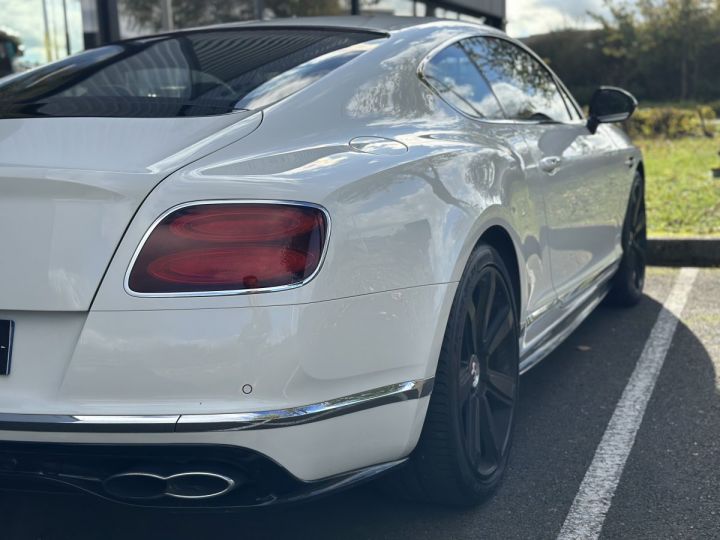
(670, 487)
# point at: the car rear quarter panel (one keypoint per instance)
(400, 222)
(403, 226)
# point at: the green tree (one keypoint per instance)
(679, 30)
(620, 43)
(661, 42)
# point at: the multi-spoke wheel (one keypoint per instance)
(488, 371)
(466, 438)
(628, 283)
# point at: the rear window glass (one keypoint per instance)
(198, 73)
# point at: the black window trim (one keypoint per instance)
(427, 80)
(565, 94)
(142, 42)
(252, 26)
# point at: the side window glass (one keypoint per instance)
(459, 82)
(572, 109)
(524, 87)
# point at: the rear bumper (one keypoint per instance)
(321, 389)
(167, 363)
(193, 423)
(247, 478)
(313, 445)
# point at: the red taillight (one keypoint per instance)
(230, 247)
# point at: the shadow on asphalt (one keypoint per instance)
(565, 406)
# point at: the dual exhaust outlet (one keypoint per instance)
(190, 485)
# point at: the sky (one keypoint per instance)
(529, 17)
(25, 17)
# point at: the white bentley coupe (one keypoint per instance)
(247, 264)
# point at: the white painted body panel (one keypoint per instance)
(70, 186)
(196, 361)
(584, 199)
(310, 452)
(403, 225)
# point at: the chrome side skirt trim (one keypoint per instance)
(538, 313)
(572, 298)
(385, 395)
(578, 305)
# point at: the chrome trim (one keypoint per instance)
(558, 334)
(444, 45)
(230, 484)
(235, 292)
(294, 416)
(384, 395)
(591, 282)
(229, 481)
(501, 121)
(579, 304)
(62, 423)
(538, 313)
(568, 297)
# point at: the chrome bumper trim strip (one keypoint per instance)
(385, 395)
(59, 423)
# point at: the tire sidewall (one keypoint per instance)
(625, 292)
(482, 257)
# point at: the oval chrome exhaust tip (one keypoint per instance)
(198, 485)
(136, 485)
(141, 485)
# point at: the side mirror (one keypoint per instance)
(610, 105)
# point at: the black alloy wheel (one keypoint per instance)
(628, 283)
(488, 375)
(636, 241)
(465, 442)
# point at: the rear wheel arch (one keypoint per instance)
(627, 284)
(499, 239)
(449, 464)
(493, 231)
(641, 169)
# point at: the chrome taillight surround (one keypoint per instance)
(233, 292)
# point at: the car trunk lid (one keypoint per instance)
(70, 187)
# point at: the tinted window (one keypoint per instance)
(524, 87)
(184, 74)
(569, 103)
(458, 80)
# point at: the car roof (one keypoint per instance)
(378, 23)
(383, 24)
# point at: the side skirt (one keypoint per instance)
(577, 307)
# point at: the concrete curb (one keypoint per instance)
(683, 251)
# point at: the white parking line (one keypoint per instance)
(592, 502)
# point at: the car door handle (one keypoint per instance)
(550, 164)
(630, 161)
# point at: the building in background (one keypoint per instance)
(10, 50)
(141, 16)
(53, 29)
(47, 29)
(490, 12)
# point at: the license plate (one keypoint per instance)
(6, 339)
